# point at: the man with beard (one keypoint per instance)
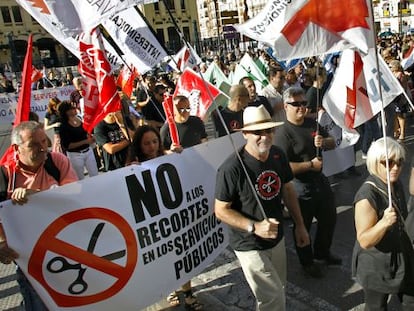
(250, 187)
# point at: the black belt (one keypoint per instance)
(81, 151)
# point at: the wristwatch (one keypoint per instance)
(250, 227)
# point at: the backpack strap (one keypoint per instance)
(51, 168)
(4, 181)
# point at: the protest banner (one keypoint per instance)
(124, 239)
(39, 102)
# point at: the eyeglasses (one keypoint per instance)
(298, 104)
(262, 132)
(182, 110)
(392, 162)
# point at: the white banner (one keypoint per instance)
(135, 39)
(124, 239)
(39, 102)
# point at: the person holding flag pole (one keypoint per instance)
(250, 186)
(383, 253)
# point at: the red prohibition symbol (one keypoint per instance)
(48, 242)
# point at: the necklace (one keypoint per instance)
(74, 122)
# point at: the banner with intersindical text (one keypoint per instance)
(124, 239)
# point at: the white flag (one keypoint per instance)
(353, 97)
(186, 57)
(135, 39)
(72, 17)
(303, 28)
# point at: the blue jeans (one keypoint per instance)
(32, 301)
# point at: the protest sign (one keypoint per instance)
(124, 239)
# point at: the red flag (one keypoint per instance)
(200, 93)
(98, 87)
(36, 74)
(23, 104)
(126, 79)
(167, 104)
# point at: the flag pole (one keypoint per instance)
(259, 203)
(382, 111)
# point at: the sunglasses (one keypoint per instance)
(392, 162)
(298, 104)
(182, 110)
(261, 132)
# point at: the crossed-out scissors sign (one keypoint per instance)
(109, 271)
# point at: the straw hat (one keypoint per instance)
(257, 118)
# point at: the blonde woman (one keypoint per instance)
(383, 254)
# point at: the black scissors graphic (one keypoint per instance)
(60, 264)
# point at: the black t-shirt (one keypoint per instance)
(312, 96)
(261, 100)
(190, 133)
(268, 179)
(298, 143)
(53, 118)
(72, 134)
(153, 110)
(233, 120)
(374, 266)
(110, 133)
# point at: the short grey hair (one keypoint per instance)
(293, 91)
(376, 153)
(16, 138)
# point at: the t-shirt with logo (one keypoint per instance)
(268, 179)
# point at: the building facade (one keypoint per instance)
(15, 26)
(393, 15)
(185, 15)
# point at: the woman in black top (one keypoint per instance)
(383, 253)
(76, 141)
(51, 121)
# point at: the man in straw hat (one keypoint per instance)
(249, 189)
(303, 142)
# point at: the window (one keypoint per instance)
(182, 4)
(160, 36)
(156, 7)
(170, 4)
(34, 21)
(5, 12)
(17, 15)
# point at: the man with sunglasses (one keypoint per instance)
(191, 129)
(303, 142)
(250, 187)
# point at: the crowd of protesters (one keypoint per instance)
(139, 132)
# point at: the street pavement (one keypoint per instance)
(222, 285)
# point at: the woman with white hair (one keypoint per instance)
(383, 253)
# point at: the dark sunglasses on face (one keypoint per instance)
(299, 104)
(392, 162)
(262, 132)
(182, 110)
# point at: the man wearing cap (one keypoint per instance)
(299, 138)
(233, 113)
(251, 206)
